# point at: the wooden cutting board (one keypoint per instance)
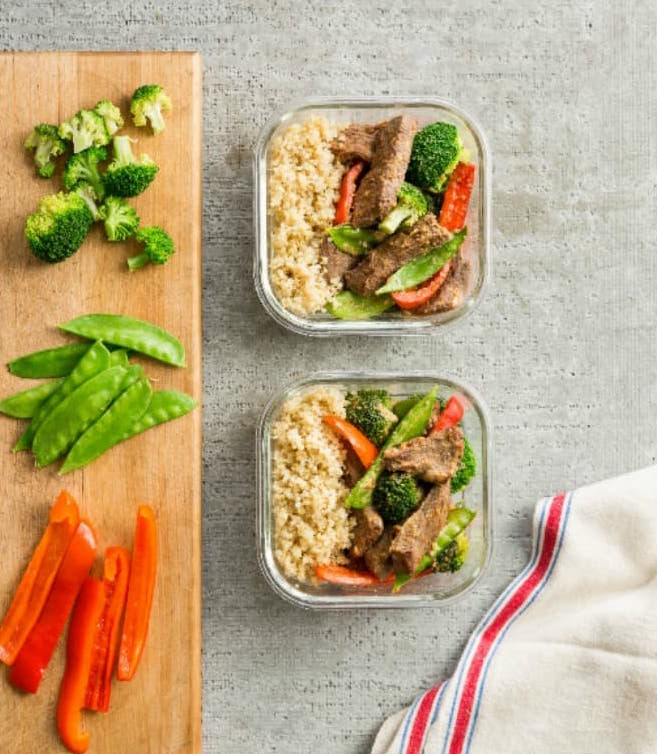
(159, 711)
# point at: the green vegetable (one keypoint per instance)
(85, 129)
(52, 362)
(411, 206)
(82, 170)
(453, 556)
(25, 404)
(147, 104)
(125, 175)
(396, 496)
(58, 227)
(424, 267)
(121, 220)
(110, 427)
(130, 333)
(86, 192)
(412, 425)
(402, 407)
(65, 423)
(437, 149)
(47, 144)
(466, 470)
(159, 247)
(164, 406)
(349, 305)
(370, 411)
(111, 115)
(354, 241)
(95, 360)
(119, 358)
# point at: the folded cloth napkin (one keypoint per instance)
(566, 659)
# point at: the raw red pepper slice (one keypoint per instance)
(79, 657)
(32, 661)
(37, 580)
(414, 297)
(115, 588)
(337, 574)
(347, 192)
(457, 197)
(364, 448)
(453, 412)
(140, 594)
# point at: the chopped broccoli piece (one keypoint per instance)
(82, 170)
(46, 143)
(159, 247)
(85, 129)
(147, 104)
(370, 411)
(453, 556)
(437, 149)
(86, 192)
(411, 206)
(121, 220)
(125, 175)
(58, 227)
(111, 114)
(466, 470)
(396, 496)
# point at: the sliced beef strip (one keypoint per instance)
(394, 252)
(376, 194)
(453, 291)
(336, 261)
(355, 142)
(418, 533)
(434, 458)
(377, 558)
(353, 468)
(369, 527)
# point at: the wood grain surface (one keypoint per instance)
(159, 711)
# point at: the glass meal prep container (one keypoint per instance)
(426, 110)
(429, 590)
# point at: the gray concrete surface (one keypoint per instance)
(564, 345)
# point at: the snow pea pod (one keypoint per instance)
(134, 334)
(25, 404)
(119, 358)
(354, 241)
(422, 268)
(95, 360)
(61, 428)
(349, 305)
(110, 427)
(53, 362)
(164, 406)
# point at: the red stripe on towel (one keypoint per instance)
(421, 723)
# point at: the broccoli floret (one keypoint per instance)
(466, 470)
(125, 175)
(46, 143)
(411, 206)
(58, 227)
(87, 193)
(121, 220)
(453, 556)
(82, 170)
(147, 104)
(85, 129)
(111, 114)
(437, 149)
(370, 411)
(159, 247)
(396, 496)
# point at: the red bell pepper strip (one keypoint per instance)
(347, 192)
(79, 657)
(364, 448)
(453, 412)
(457, 197)
(115, 588)
(32, 661)
(37, 580)
(414, 297)
(140, 594)
(337, 574)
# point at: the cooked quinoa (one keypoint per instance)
(311, 524)
(304, 182)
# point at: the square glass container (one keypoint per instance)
(430, 590)
(373, 110)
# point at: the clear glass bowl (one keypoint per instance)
(373, 110)
(430, 590)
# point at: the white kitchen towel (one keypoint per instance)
(565, 661)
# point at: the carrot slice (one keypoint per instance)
(337, 574)
(457, 197)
